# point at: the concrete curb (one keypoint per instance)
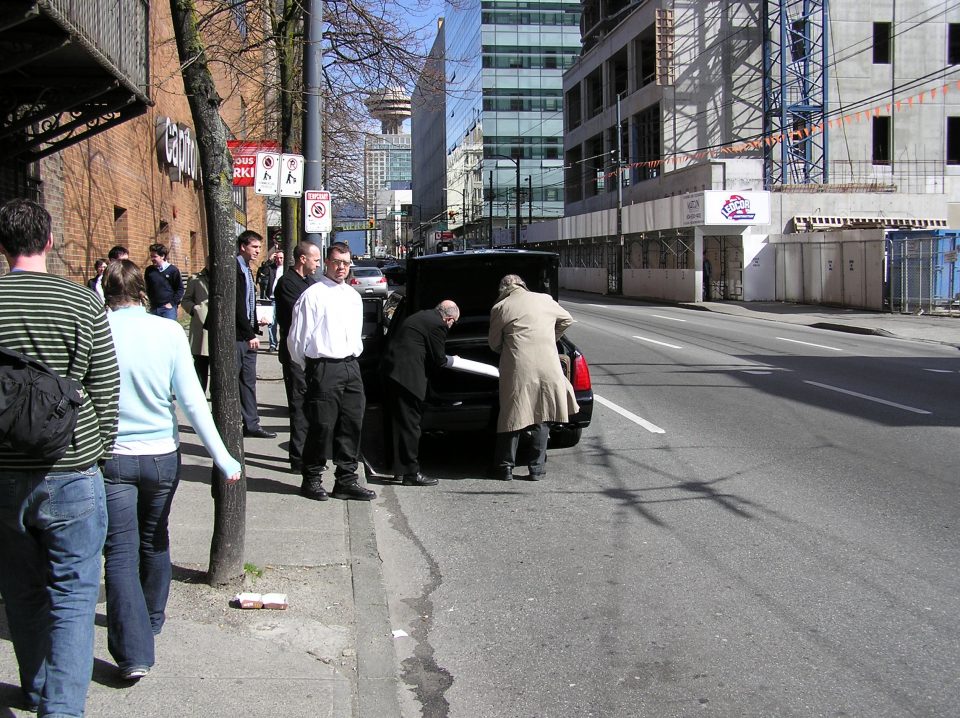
(376, 669)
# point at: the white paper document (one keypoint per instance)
(474, 367)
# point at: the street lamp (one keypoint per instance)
(516, 162)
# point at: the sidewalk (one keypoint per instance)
(329, 654)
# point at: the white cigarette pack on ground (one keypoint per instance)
(276, 601)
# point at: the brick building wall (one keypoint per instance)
(115, 188)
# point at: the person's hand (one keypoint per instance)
(234, 479)
(451, 359)
(168, 305)
(261, 322)
(254, 343)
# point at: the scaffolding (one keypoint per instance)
(795, 92)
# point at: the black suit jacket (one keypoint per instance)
(245, 329)
(419, 344)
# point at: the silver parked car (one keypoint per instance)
(369, 281)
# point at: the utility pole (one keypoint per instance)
(313, 104)
(491, 209)
(517, 242)
(529, 200)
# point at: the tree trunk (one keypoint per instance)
(226, 548)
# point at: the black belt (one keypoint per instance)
(330, 360)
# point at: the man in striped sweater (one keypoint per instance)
(53, 518)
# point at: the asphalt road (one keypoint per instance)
(761, 521)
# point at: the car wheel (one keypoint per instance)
(565, 438)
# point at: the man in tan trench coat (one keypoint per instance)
(524, 329)
(196, 303)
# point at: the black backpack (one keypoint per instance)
(38, 407)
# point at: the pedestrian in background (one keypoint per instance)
(293, 283)
(268, 275)
(325, 340)
(164, 283)
(143, 472)
(248, 327)
(707, 272)
(196, 303)
(117, 252)
(94, 282)
(419, 347)
(53, 519)
(524, 329)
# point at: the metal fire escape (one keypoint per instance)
(795, 92)
(68, 70)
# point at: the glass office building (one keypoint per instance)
(504, 66)
(386, 166)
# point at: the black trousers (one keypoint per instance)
(201, 363)
(405, 412)
(334, 408)
(247, 369)
(295, 383)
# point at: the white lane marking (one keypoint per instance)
(598, 306)
(940, 371)
(868, 398)
(672, 319)
(750, 371)
(652, 428)
(654, 341)
(819, 346)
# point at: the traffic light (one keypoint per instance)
(371, 222)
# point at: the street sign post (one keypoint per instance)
(267, 180)
(291, 175)
(317, 216)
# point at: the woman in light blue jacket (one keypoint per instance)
(141, 477)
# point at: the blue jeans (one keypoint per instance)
(52, 528)
(140, 493)
(165, 312)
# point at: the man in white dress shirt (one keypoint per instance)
(325, 339)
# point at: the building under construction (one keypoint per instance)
(786, 142)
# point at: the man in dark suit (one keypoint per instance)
(248, 249)
(418, 345)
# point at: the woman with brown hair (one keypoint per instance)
(142, 475)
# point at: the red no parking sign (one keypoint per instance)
(317, 216)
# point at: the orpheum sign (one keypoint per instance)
(245, 158)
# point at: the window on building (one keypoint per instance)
(121, 226)
(953, 140)
(882, 43)
(645, 51)
(881, 140)
(953, 43)
(572, 110)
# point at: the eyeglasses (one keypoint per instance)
(340, 262)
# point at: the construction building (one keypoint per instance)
(782, 141)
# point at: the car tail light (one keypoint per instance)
(354, 281)
(581, 373)
(382, 280)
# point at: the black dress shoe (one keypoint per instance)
(501, 473)
(259, 434)
(418, 479)
(353, 491)
(537, 475)
(313, 489)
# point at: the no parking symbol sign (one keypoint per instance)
(317, 215)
